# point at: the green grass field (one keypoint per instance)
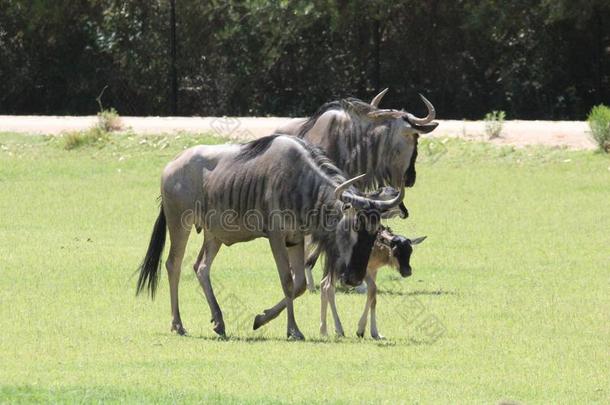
(515, 275)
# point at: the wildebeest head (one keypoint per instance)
(357, 230)
(409, 127)
(386, 193)
(401, 249)
(361, 138)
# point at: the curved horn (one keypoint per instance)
(343, 186)
(380, 205)
(386, 205)
(377, 99)
(429, 118)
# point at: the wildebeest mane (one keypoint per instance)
(351, 144)
(306, 127)
(256, 147)
(318, 156)
(346, 104)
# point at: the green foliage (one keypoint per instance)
(533, 59)
(494, 121)
(599, 122)
(109, 120)
(94, 136)
(526, 313)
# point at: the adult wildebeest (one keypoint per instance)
(361, 138)
(389, 250)
(277, 187)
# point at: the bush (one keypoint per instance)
(494, 121)
(599, 122)
(109, 120)
(92, 136)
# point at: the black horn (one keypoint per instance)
(384, 205)
(364, 202)
(422, 121)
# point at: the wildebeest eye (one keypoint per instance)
(395, 241)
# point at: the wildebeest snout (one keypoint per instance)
(405, 271)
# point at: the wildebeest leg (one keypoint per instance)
(372, 297)
(312, 258)
(284, 258)
(329, 291)
(208, 252)
(178, 235)
(371, 291)
(323, 305)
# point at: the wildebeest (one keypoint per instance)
(277, 187)
(389, 250)
(361, 138)
(384, 193)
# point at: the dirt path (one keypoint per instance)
(570, 134)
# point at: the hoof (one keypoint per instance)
(179, 329)
(378, 337)
(219, 328)
(295, 334)
(360, 334)
(258, 321)
(340, 334)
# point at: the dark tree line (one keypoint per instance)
(533, 58)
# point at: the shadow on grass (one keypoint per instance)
(401, 292)
(351, 340)
(381, 291)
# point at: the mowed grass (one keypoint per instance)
(509, 299)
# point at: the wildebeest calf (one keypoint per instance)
(389, 250)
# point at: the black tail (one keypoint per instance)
(149, 269)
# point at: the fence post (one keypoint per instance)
(173, 74)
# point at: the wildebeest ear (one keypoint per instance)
(417, 241)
